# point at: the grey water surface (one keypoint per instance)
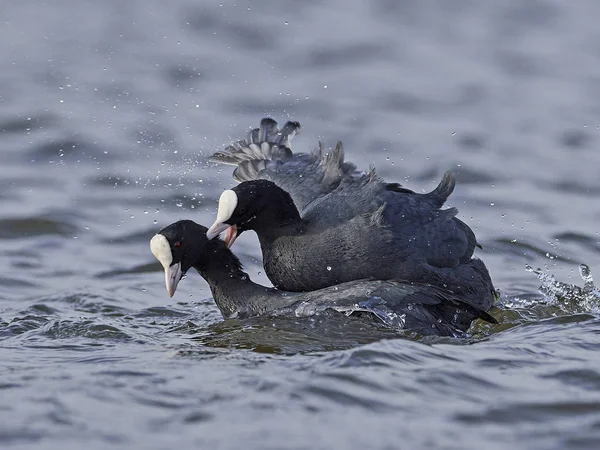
(108, 110)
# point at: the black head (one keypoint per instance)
(178, 247)
(253, 205)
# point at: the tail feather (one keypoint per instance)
(252, 136)
(263, 143)
(448, 214)
(249, 170)
(397, 187)
(334, 166)
(447, 309)
(440, 194)
(268, 130)
(266, 153)
(287, 133)
(256, 151)
(332, 162)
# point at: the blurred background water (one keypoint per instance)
(108, 111)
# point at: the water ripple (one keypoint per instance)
(24, 227)
(540, 412)
(20, 325)
(26, 124)
(588, 379)
(106, 122)
(66, 329)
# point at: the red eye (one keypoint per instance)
(177, 244)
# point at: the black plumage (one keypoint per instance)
(321, 223)
(415, 307)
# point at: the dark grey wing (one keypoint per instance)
(266, 154)
(417, 227)
(309, 177)
(353, 197)
(263, 144)
(445, 306)
(436, 236)
(402, 235)
(409, 306)
(445, 240)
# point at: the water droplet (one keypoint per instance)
(329, 268)
(586, 273)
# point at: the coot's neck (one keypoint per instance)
(280, 217)
(234, 293)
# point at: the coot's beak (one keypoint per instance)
(230, 235)
(172, 276)
(216, 229)
(227, 204)
(160, 248)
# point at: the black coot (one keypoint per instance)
(321, 223)
(416, 307)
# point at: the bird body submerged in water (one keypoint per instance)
(321, 223)
(409, 306)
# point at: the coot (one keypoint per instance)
(416, 307)
(321, 223)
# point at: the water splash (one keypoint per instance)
(569, 297)
(374, 305)
(378, 307)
